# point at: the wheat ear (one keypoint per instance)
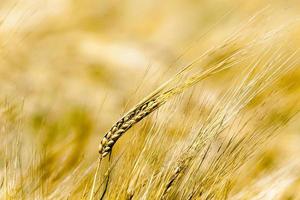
(157, 99)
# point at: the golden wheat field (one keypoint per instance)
(146, 100)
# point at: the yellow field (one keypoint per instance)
(210, 91)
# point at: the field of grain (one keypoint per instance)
(140, 99)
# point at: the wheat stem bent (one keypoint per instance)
(158, 98)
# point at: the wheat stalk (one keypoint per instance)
(156, 100)
(177, 85)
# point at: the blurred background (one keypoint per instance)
(70, 68)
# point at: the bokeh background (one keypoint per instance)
(70, 68)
